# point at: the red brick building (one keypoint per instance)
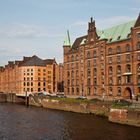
(104, 63)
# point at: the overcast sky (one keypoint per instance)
(38, 27)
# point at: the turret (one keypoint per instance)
(67, 43)
(92, 35)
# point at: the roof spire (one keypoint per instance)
(67, 39)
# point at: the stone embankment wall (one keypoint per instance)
(125, 116)
(11, 97)
(3, 98)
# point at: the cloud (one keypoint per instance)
(112, 21)
(20, 30)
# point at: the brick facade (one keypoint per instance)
(100, 66)
(32, 74)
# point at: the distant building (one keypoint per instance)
(104, 63)
(60, 86)
(32, 74)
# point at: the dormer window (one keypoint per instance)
(118, 37)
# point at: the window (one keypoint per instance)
(68, 74)
(72, 82)
(94, 71)
(24, 78)
(127, 48)
(138, 67)
(139, 90)
(110, 51)
(95, 91)
(88, 63)
(88, 54)
(88, 73)
(31, 78)
(118, 49)
(138, 35)
(68, 82)
(102, 57)
(94, 54)
(49, 72)
(110, 60)
(72, 90)
(95, 81)
(72, 58)
(44, 83)
(118, 69)
(119, 91)
(128, 79)
(31, 83)
(138, 45)
(24, 84)
(28, 84)
(110, 70)
(38, 70)
(110, 91)
(77, 90)
(39, 84)
(72, 74)
(110, 81)
(139, 79)
(88, 81)
(77, 57)
(72, 65)
(31, 89)
(94, 62)
(88, 91)
(138, 55)
(118, 59)
(127, 57)
(76, 65)
(119, 80)
(128, 68)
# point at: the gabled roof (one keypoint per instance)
(78, 41)
(33, 61)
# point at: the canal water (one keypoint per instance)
(18, 122)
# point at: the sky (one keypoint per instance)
(38, 27)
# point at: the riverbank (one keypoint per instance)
(122, 113)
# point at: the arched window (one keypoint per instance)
(127, 48)
(94, 54)
(138, 45)
(128, 68)
(118, 49)
(110, 51)
(119, 91)
(119, 69)
(110, 70)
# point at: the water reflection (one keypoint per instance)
(20, 123)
